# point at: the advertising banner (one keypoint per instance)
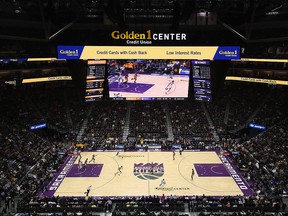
(257, 80)
(149, 52)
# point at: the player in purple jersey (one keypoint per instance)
(93, 158)
(192, 174)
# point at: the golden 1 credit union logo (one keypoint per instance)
(69, 52)
(133, 37)
(228, 53)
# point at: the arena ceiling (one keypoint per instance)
(45, 20)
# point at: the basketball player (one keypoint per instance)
(118, 154)
(79, 152)
(192, 174)
(152, 168)
(120, 79)
(180, 150)
(86, 161)
(126, 78)
(119, 170)
(92, 159)
(162, 183)
(79, 155)
(117, 95)
(88, 190)
(79, 166)
(169, 86)
(135, 76)
(79, 161)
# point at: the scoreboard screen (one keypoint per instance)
(201, 83)
(206, 98)
(95, 80)
(94, 83)
(200, 91)
(95, 71)
(148, 79)
(201, 69)
(202, 80)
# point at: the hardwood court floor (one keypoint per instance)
(177, 174)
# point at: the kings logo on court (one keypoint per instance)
(148, 171)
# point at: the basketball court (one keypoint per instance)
(143, 172)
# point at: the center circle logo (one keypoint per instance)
(148, 171)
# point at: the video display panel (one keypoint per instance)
(199, 97)
(202, 80)
(148, 79)
(201, 69)
(95, 80)
(201, 83)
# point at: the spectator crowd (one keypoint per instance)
(28, 159)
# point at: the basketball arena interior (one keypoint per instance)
(143, 107)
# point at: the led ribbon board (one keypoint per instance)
(257, 80)
(149, 52)
(38, 126)
(257, 126)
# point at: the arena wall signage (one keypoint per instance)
(38, 126)
(263, 60)
(46, 79)
(257, 80)
(149, 52)
(134, 37)
(6, 60)
(257, 126)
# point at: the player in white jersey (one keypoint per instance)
(169, 86)
(88, 190)
(162, 183)
(120, 80)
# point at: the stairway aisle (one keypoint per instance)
(168, 123)
(127, 122)
(215, 134)
(83, 127)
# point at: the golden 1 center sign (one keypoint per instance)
(147, 37)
